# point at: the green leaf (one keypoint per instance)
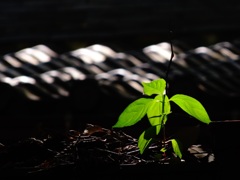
(154, 87)
(191, 106)
(163, 149)
(157, 115)
(146, 138)
(133, 113)
(176, 148)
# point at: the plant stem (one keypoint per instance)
(166, 91)
(170, 62)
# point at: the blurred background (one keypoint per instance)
(65, 63)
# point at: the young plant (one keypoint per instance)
(156, 106)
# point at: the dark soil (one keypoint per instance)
(95, 149)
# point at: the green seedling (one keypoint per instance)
(156, 105)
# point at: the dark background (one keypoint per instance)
(66, 25)
(70, 24)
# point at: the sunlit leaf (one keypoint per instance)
(133, 113)
(163, 149)
(176, 148)
(158, 111)
(191, 106)
(146, 138)
(154, 87)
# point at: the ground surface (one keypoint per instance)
(95, 148)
